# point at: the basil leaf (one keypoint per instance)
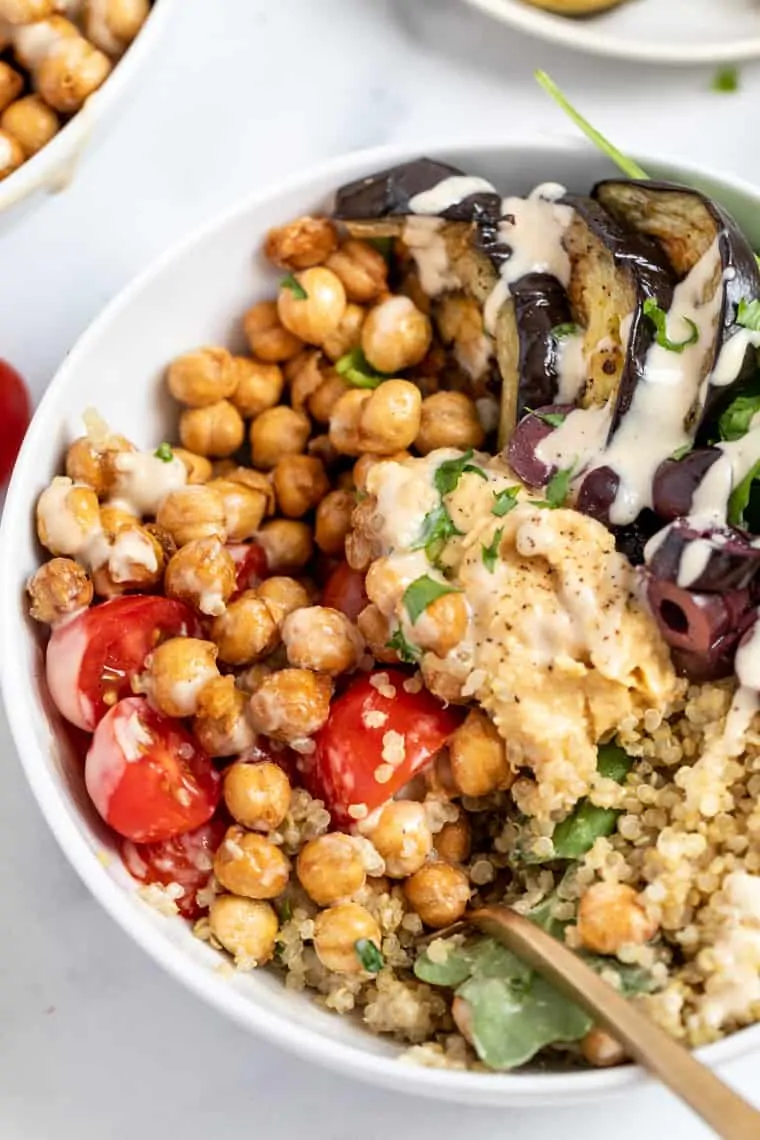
(748, 314)
(355, 367)
(164, 452)
(421, 593)
(369, 955)
(740, 496)
(659, 319)
(505, 501)
(437, 528)
(737, 418)
(725, 80)
(490, 554)
(449, 473)
(295, 286)
(569, 328)
(406, 651)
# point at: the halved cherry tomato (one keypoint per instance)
(356, 764)
(344, 590)
(92, 659)
(147, 776)
(184, 859)
(14, 416)
(250, 564)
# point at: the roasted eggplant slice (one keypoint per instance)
(390, 193)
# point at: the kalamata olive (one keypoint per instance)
(631, 540)
(710, 560)
(597, 493)
(701, 629)
(712, 666)
(529, 433)
(676, 481)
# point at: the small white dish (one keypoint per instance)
(651, 31)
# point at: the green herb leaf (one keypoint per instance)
(164, 452)
(355, 367)
(613, 762)
(725, 80)
(437, 528)
(659, 319)
(558, 488)
(455, 968)
(542, 915)
(680, 452)
(579, 831)
(627, 165)
(296, 288)
(421, 593)
(369, 955)
(448, 473)
(406, 651)
(735, 422)
(569, 328)
(553, 419)
(740, 496)
(748, 314)
(505, 501)
(284, 910)
(632, 980)
(490, 554)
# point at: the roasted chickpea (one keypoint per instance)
(449, 419)
(259, 386)
(331, 869)
(192, 512)
(454, 841)
(345, 419)
(336, 932)
(443, 624)
(202, 377)
(255, 481)
(288, 544)
(317, 315)
(32, 41)
(282, 596)
(136, 560)
(246, 929)
(216, 429)
(321, 403)
(305, 379)
(70, 72)
(395, 335)
(403, 837)
(248, 864)
(389, 421)
(292, 704)
(222, 468)
(323, 639)
(176, 672)
(362, 545)
(246, 631)
(91, 464)
(362, 269)
(301, 243)
(319, 447)
(276, 433)
(58, 588)
(68, 517)
(267, 336)
(198, 467)
(602, 1050)
(300, 482)
(611, 915)
(201, 573)
(11, 154)
(439, 893)
(162, 537)
(376, 631)
(257, 795)
(333, 521)
(11, 84)
(223, 724)
(31, 123)
(25, 11)
(113, 25)
(114, 518)
(348, 334)
(478, 757)
(244, 508)
(461, 1011)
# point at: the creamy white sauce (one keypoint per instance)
(449, 192)
(143, 481)
(131, 549)
(488, 413)
(694, 559)
(731, 357)
(734, 985)
(131, 736)
(34, 42)
(425, 242)
(579, 438)
(405, 494)
(739, 456)
(571, 368)
(64, 533)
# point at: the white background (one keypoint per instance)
(95, 1042)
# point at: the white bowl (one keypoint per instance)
(194, 294)
(52, 168)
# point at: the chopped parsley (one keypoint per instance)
(569, 328)
(448, 474)
(557, 490)
(553, 419)
(504, 501)
(725, 80)
(406, 651)
(422, 593)
(355, 367)
(164, 452)
(490, 553)
(296, 288)
(437, 528)
(285, 910)
(748, 315)
(369, 955)
(659, 319)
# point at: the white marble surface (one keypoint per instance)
(95, 1043)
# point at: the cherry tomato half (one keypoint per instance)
(250, 564)
(186, 859)
(355, 764)
(344, 590)
(92, 659)
(147, 776)
(14, 417)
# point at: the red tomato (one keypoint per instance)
(250, 564)
(14, 415)
(344, 590)
(277, 753)
(147, 776)
(185, 859)
(349, 751)
(92, 659)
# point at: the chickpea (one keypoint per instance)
(443, 625)
(90, 464)
(31, 123)
(246, 929)
(461, 1011)
(267, 336)
(276, 433)
(11, 84)
(300, 482)
(333, 521)
(331, 869)
(223, 726)
(306, 379)
(395, 335)
(113, 25)
(11, 154)
(25, 11)
(449, 419)
(177, 671)
(250, 679)
(403, 837)
(344, 421)
(322, 402)
(113, 519)
(248, 864)
(32, 41)
(198, 467)
(390, 419)
(302, 243)
(288, 544)
(244, 508)
(201, 573)
(257, 795)
(216, 429)
(602, 1050)
(222, 468)
(317, 315)
(292, 704)
(376, 631)
(323, 639)
(68, 517)
(163, 538)
(70, 72)
(348, 334)
(454, 841)
(202, 377)
(362, 269)
(362, 545)
(478, 757)
(192, 512)
(282, 596)
(439, 893)
(259, 386)
(136, 560)
(246, 631)
(58, 588)
(611, 915)
(366, 462)
(336, 932)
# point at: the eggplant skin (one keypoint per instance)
(389, 192)
(575, 7)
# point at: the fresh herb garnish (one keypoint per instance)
(284, 910)
(369, 955)
(553, 419)
(557, 489)
(680, 452)
(737, 419)
(569, 328)
(579, 831)
(407, 652)
(164, 452)
(437, 528)
(740, 496)
(296, 288)
(748, 314)
(659, 319)
(448, 473)
(421, 593)
(627, 165)
(490, 553)
(504, 501)
(725, 80)
(355, 367)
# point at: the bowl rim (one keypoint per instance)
(52, 166)
(464, 1087)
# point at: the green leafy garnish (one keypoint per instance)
(406, 651)
(558, 488)
(369, 955)
(448, 473)
(725, 80)
(421, 593)
(355, 367)
(627, 165)
(553, 419)
(578, 833)
(736, 421)
(740, 496)
(164, 452)
(659, 319)
(284, 910)
(491, 553)
(748, 314)
(504, 501)
(437, 528)
(569, 328)
(295, 286)
(680, 452)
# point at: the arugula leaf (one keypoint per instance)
(627, 165)
(164, 452)
(569, 328)
(421, 593)
(504, 501)
(369, 955)
(406, 651)
(579, 831)
(452, 971)
(659, 319)
(358, 371)
(680, 452)
(296, 288)
(437, 528)
(725, 80)
(490, 553)
(448, 473)
(737, 418)
(748, 314)
(740, 496)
